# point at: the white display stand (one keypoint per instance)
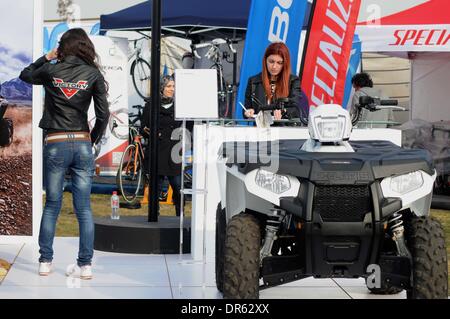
(195, 99)
(208, 139)
(196, 94)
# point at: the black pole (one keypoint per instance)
(305, 46)
(234, 86)
(154, 114)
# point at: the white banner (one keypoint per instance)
(404, 38)
(113, 59)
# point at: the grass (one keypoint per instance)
(68, 227)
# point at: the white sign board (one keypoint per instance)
(196, 94)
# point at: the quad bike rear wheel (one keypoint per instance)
(426, 242)
(241, 258)
(220, 243)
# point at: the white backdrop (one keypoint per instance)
(430, 82)
(113, 58)
(36, 136)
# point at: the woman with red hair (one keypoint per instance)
(275, 81)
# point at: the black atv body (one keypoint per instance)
(337, 225)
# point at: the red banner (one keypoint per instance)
(328, 50)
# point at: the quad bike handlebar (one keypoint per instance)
(374, 104)
(278, 104)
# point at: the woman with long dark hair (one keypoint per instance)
(275, 81)
(70, 84)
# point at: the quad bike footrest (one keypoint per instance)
(278, 270)
(395, 271)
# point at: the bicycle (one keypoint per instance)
(224, 90)
(140, 71)
(117, 124)
(129, 178)
(135, 119)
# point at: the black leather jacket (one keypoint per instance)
(69, 87)
(255, 88)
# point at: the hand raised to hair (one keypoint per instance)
(52, 55)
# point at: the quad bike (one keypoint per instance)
(330, 208)
(6, 125)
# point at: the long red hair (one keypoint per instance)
(282, 83)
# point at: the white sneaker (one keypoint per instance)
(84, 272)
(45, 269)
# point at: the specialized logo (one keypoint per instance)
(421, 37)
(69, 89)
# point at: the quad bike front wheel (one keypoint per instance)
(385, 290)
(426, 242)
(220, 243)
(241, 267)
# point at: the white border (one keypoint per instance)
(36, 135)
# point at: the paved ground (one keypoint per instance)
(146, 276)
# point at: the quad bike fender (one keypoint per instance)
(421, 207)
(222, 178)
(239, 199)
(418, 200)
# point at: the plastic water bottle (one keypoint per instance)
(115, 206)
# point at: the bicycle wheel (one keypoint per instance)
(140, 72)
(129, 174)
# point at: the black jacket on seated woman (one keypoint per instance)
(273, 83)
(255, 88)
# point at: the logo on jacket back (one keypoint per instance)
(69, 89)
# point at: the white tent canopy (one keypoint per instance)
(407, 25)
(418, 30)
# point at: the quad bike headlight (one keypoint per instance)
(406, 183)
(403, 184)
(329, 123)
(330, 129)
(273, 182)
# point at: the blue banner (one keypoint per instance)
(353, 68)
(269, 21)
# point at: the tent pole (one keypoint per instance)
(153, 206)
(411, 93)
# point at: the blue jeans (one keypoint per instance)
(75, 157)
